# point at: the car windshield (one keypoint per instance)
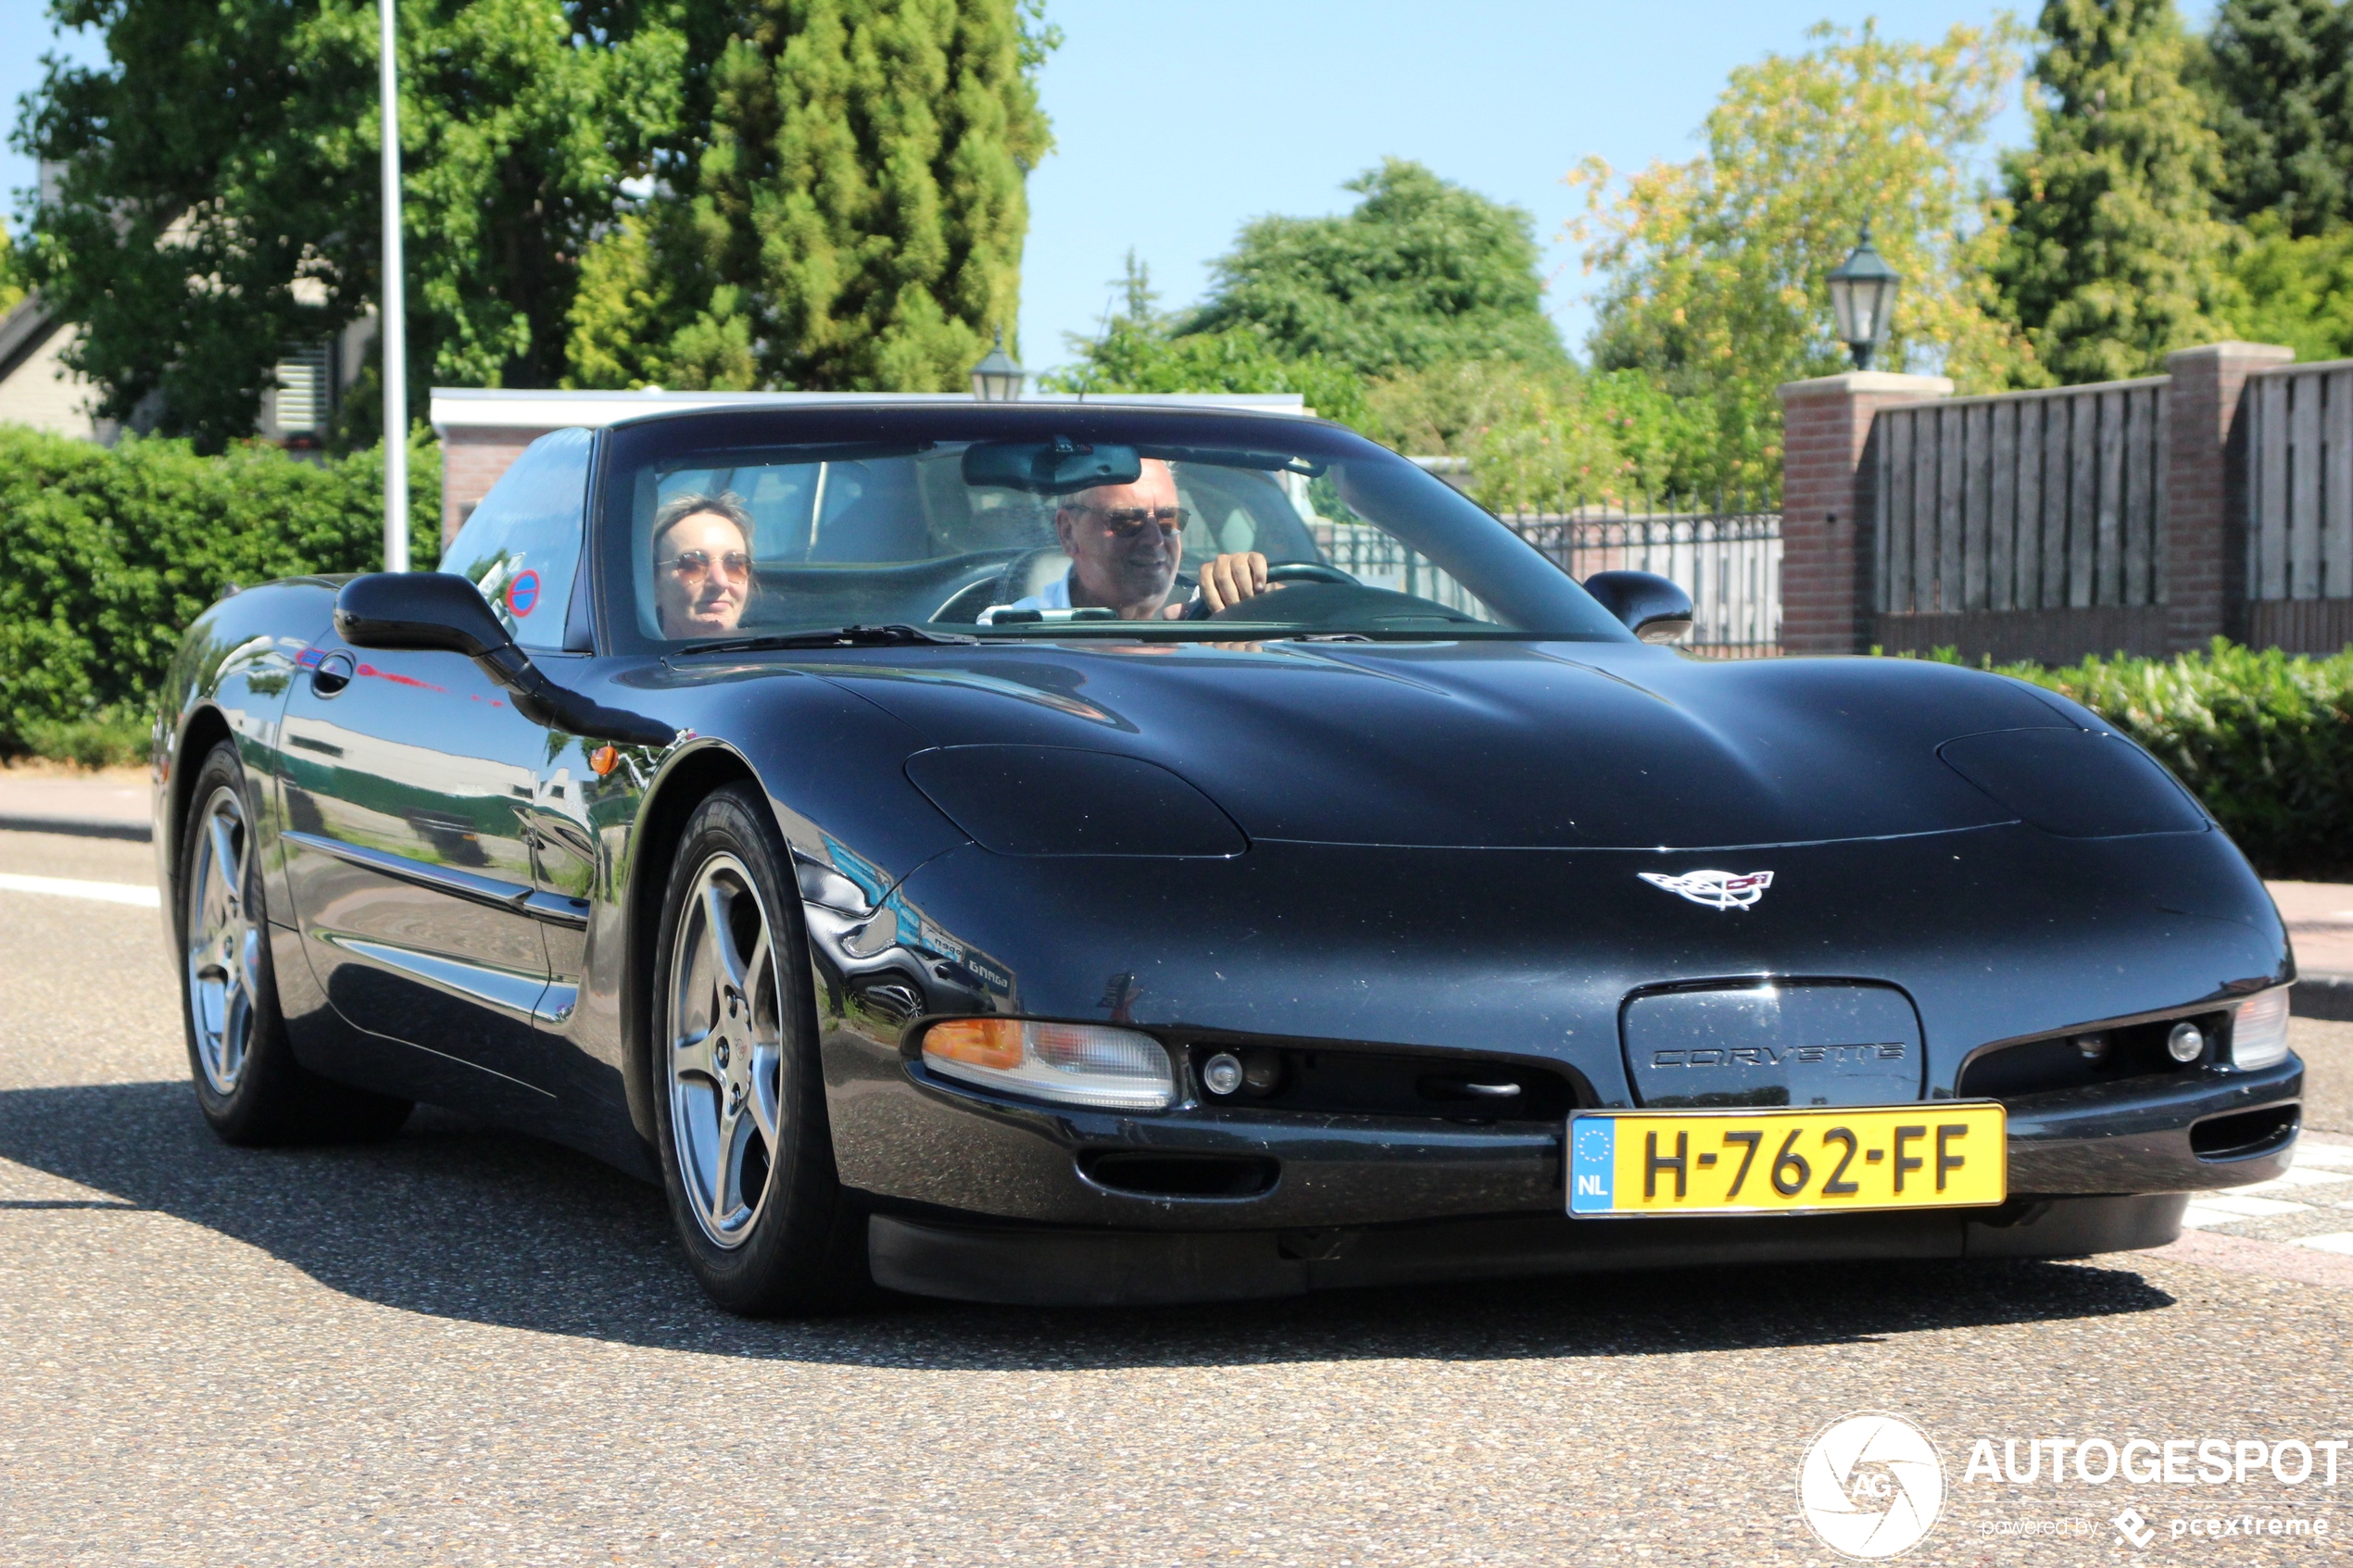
(1080, 523)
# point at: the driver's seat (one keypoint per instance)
(1029, 574)
(1026, 574)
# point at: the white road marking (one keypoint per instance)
(72, 888)
(2329, 1155)
(2340, 1241)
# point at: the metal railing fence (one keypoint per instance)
(1727, 558)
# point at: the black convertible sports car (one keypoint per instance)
(1084, 853)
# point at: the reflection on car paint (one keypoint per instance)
(884, 952)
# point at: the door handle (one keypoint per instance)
(332, 675)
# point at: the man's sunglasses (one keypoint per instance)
(1127, 521)
(693, 566)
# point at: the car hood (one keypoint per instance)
(1501, 745)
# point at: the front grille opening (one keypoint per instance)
(1388, 1083)
(2135, 1050)
(1150, 1173)
(2244, 1133)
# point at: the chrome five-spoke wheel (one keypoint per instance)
(725, 1038)
(224, 942)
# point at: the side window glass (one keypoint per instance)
(522, 547)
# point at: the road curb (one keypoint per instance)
(108, 827)
(2322, 995)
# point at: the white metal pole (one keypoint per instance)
(393, 320)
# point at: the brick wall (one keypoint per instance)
(2206, 489)
(1827, 504)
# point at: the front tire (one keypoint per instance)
(746, 1152)
(248, 1084)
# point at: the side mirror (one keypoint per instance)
(1653, 607)
(418, 609)
(445, 613)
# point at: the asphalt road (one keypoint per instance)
(461, 1347)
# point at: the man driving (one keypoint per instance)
(702, 564)
(1125, 544)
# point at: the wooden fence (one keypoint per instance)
(2027, 524)
(2299, 524)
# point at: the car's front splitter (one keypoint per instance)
(1042, 1266)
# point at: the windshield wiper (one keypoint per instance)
(893, 634)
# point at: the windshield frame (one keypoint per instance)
(1544, 601)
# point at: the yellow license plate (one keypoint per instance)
(1935, 1155)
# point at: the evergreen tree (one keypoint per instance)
(2114, 256)
(2280, 77)
(1421, 273)
(855, 219)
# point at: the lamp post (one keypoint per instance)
(392, 319)
(996, 379)
(1863, 299)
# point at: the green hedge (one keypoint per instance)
(2266, 740)
(105, 555)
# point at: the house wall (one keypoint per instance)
(38, 390)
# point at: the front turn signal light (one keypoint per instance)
(2258, 1034)
(1073, 1063)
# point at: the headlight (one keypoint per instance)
(2258, 1034)
(2077, 783)
(1075, 1063)
(1061, 800)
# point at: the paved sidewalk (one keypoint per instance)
(105, 803)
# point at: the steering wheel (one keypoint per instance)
(1309, 572)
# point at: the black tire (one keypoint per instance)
(799, 1240)
(250, 1089)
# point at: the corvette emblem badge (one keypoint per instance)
(1717, 890)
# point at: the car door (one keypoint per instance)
(414, 798)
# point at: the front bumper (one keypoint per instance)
(921, 1145)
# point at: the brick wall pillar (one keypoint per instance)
(1827, 504)
(2205, 490)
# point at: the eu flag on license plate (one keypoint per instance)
(1592, 1157)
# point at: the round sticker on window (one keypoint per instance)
(523, 593)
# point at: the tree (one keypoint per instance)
(2114, 256)
(1420, 273)
(11, 287)
(219, 202)
(2279, 75)
(1712, 271)
(2298, 290)
(1139, 350)
(854, 219)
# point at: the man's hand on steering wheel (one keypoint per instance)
(1226, 581)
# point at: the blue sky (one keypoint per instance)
(1177, 123)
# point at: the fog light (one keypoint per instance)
(2092, 1047)
(1075, 1063)
(2258, 1034)
(2187, 1042)
(1222, 1074)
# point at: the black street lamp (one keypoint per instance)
(1863, 299)
(996, 379)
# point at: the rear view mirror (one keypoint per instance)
(1050, 468)
(1653, 607)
